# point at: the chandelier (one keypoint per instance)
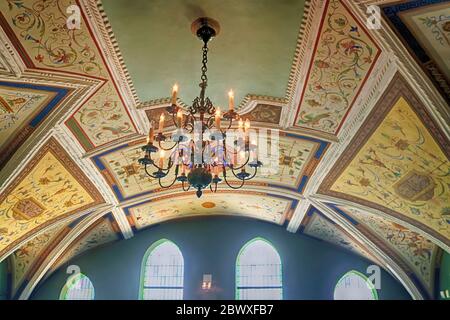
(204, 150)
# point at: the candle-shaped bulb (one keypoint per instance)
(174, 94)
(231, 100)
(180, 117)
(161, 158)
(161, 123)
(217, 118)
(247, 124)
(151, 134)
(240, 123)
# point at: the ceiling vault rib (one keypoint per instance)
(59, 250)
(392, 266)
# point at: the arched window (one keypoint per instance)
(355, 286)
(162, 272)
(78, 287)
(258, 272)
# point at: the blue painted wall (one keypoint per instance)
(311, 268)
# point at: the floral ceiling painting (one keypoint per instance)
(343, 58)
(257, 205)
(399, 164)
(23, 107)
(28, 257)
(318, 226)
(48, 189)
(72, 130)
(424, 27)
(39, 30)
(99, 233)
(418, 252)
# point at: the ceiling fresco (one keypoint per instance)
(22, 108)
(418, 252)
(38, 30)
(356, 127)
(398, 163)
(263, 206)
(49, 188)
(102, 231)
(318, 226)
(424, 27)
(29, 256)
(343, 58)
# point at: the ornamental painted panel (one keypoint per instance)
(257, 205)
(398, 163)
(424, 28)
(342, 61)
(49, 188)
(23, 107)
(289, 167)
(28, 256)
(38, 28)
(418, 252)
(318, 226)
(100, 233)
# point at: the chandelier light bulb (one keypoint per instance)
(161, 123)
(174, 94)
(231, 100)
(217, 118)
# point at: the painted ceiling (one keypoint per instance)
(363, 149)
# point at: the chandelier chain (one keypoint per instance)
(204, 77)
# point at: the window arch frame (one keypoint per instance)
(242, 250)
(147, 253)
(370, 285)
(72, 281)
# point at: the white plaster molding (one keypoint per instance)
(299, 215)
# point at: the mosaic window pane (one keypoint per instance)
(164, 273)
(78, 287)
(355, 286)
(258, 272)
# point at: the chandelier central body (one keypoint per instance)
(203, 152)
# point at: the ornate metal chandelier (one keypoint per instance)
(203, 152)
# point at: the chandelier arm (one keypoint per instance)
(232, 187)
(252, 176)
(165, 187)
(169, 166)
(149, 174)
(246, 162)
(184, 189)
(168, 149)
(215, 188)
(230, 122)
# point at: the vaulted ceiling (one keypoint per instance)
(363, 116)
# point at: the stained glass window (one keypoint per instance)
(258, 272)
(355, 286)
(78, 287)
(163, 272)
